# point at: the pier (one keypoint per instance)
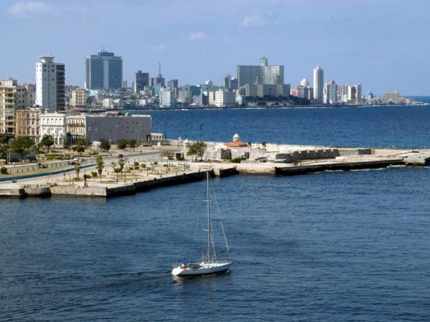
(152, 175)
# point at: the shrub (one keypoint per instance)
(93, 174)
(3, 170)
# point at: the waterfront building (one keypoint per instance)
(304, 82)
(222, 98)
(187, 92)
(318, 84)
(261, 90)
(330, 92)
(79, 98)
(27, 123)
(53, 124)
(104, 71)
(392, 97)
(302, 91)
(167, 97)
(111, 127)
(140, 81)
(50, 84)
(12, 98)
(261, 74)
(354, 94)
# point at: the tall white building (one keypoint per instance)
(50, 84)
(318, 84)
(330, 92)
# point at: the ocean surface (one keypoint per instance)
(331, 246)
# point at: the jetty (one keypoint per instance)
(142, 174)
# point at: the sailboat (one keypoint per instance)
(208, 264)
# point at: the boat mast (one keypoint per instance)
(209, 217)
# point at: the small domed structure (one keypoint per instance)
(236, 138)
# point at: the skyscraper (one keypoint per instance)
(140, 81)
(50, 84)
(260, 74)
(104, 71)
(318, 84)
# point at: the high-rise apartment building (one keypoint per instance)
(104, 71)
(140, 81)
(318, 84)
(50, 84)
(330, 92)
(12, 97)
(262, 74)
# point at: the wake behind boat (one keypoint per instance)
(208, 264)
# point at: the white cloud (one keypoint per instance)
(31, 8)
(196, 36)
(253, 21)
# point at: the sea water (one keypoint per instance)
(338, 246)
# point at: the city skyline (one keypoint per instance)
(366, 42)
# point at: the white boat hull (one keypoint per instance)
(201, 269)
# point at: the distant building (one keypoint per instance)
(392, 96)
(50, 84)
(261, 90)
(53, 124)
(140, 81)
(158, 80)
(110, 127)
(263, 74)
(104, 71)
(222, 98)
(12, 97)
(318, 84)
(167, 97)
(79, 98)
(27, 123)
(330, 92)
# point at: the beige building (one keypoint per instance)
(27, 123)
(261, 90)
(222, 98)
(12, 97)
(79, 98)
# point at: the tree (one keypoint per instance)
(47, 141)
(104, 145)
(84, 142)
(21, 145)
(77, 169)
(168, 154)
(121, 163)
(99, 166)
(132, 144)
(122, 144)
(197, 148)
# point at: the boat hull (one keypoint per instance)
(202, 269)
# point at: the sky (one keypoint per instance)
(382, 44)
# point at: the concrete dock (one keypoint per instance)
(62, 182)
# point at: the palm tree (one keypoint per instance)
(100, 165)
(77, 169)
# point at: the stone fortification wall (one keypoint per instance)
(352, 151)
(306, 155)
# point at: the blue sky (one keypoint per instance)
(382, 44)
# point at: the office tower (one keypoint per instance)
(104, 71)
(140, 81)
(304, 82)
(318, 84)
(261, 74)
(50, 84)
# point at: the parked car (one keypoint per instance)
(120, 155)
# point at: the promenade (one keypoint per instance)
(144, 169)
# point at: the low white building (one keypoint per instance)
(53, 124)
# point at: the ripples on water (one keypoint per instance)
(328, 246)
